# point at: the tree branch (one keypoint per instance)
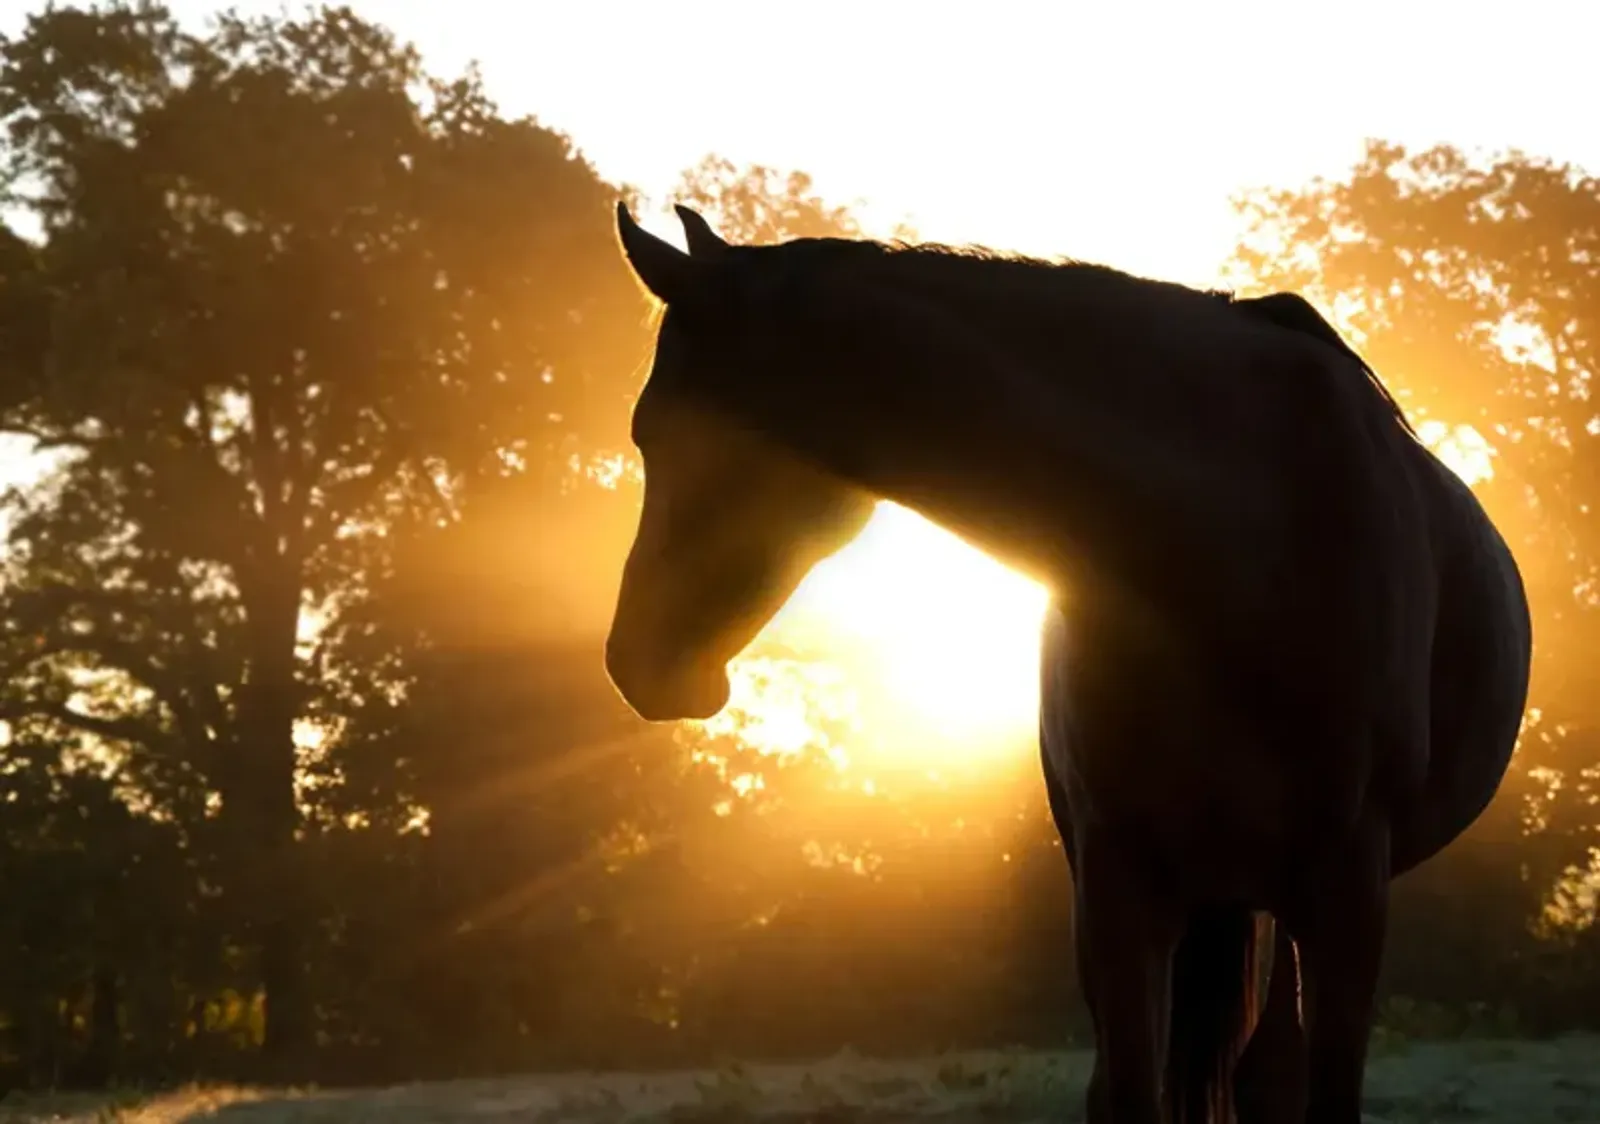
(167, 688)
(191, 699)
(132, 730)
(44, 439)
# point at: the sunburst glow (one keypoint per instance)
(1467, 453)
(953, 635)
(918, 649)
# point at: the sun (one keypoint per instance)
(937, 642)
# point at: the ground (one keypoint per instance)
(1489, 1082)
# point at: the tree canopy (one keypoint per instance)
(295, 301)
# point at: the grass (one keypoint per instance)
(1502, 1081)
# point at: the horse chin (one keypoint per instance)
(692, 692)
(702, 698)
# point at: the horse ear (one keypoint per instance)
(672, 275)
(703, 241)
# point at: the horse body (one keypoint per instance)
(1296, 655)
(1133, 744)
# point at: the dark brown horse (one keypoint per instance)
(1297, 653)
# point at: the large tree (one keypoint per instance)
(292, 296)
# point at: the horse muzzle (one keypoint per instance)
(667, 690)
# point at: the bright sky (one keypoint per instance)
(1112, 132)
(1108, 131)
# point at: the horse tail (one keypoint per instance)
(1213, 1013)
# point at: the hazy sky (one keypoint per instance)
(1107, 131)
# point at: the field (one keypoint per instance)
(1491, 1082)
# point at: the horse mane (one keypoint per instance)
(1285, 310)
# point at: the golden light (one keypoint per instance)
(1463, 449)
(953, 634)
(918, 647)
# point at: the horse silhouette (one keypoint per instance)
(1287, 653)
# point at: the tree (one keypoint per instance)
(302, 296)
(94, 896)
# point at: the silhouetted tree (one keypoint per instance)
(299, 294)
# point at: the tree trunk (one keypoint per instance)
(276, 893)
(105, 1029)
(268, 882)
(283, 977)
(43, 1039)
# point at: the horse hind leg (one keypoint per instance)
(1213, 1010)
(1270, 1082)
(1125, 934)
(1339, 928)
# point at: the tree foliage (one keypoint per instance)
(299, 302)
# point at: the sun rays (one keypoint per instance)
(913, 651)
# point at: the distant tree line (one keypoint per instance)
(310, 768)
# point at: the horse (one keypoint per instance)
(1287, 651)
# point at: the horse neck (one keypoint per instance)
(1053, 450)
